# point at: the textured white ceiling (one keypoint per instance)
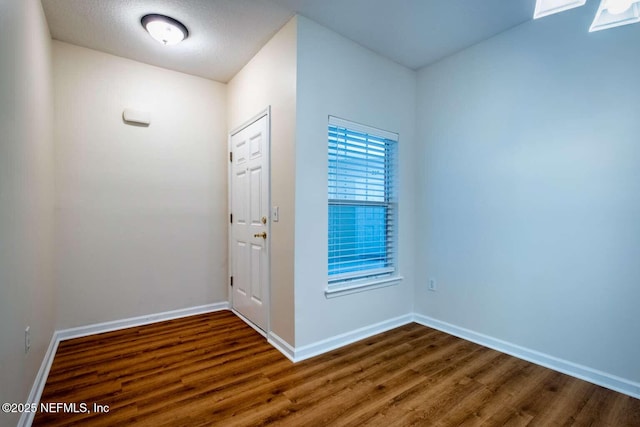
(225, 34)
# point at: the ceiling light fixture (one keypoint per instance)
(611, 13)
(614, 13)
(166, 30)
(549, 7)
(616, 7)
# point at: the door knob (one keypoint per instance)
(263, 235)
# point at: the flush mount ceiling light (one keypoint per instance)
(549, 7)
(611, 13)
(614, 13)
(166, 30)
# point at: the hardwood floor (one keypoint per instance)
(213, 369)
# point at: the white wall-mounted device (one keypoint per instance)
(136, 117)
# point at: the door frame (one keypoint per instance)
(267, 300)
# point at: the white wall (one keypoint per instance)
(530, 191)
(338, 77)
(141, 211)
(269, 79)
(26, 198)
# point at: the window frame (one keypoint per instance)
(371, 278)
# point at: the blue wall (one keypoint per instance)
(530, 190)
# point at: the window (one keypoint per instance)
(362, 203)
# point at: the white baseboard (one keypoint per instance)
(585, 373)
(249, 323)
(41, 379)
(98, 328)
(320, 347)
(305, 352)
(60, 335)
(282, 346)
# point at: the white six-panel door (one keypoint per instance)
(249, 197)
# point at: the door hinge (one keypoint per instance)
(231, 156)
(231, 281)
(231, 218)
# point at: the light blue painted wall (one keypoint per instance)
(335, 76)
(529, 190)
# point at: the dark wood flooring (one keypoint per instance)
(213, 369)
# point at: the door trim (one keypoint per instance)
(266, 112)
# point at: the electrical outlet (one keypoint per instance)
(27, 339)
(432, 285)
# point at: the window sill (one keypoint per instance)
(348, 288)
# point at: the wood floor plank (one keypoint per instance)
(441, 391)
(212, 369)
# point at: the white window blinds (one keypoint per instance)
(362, 201)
